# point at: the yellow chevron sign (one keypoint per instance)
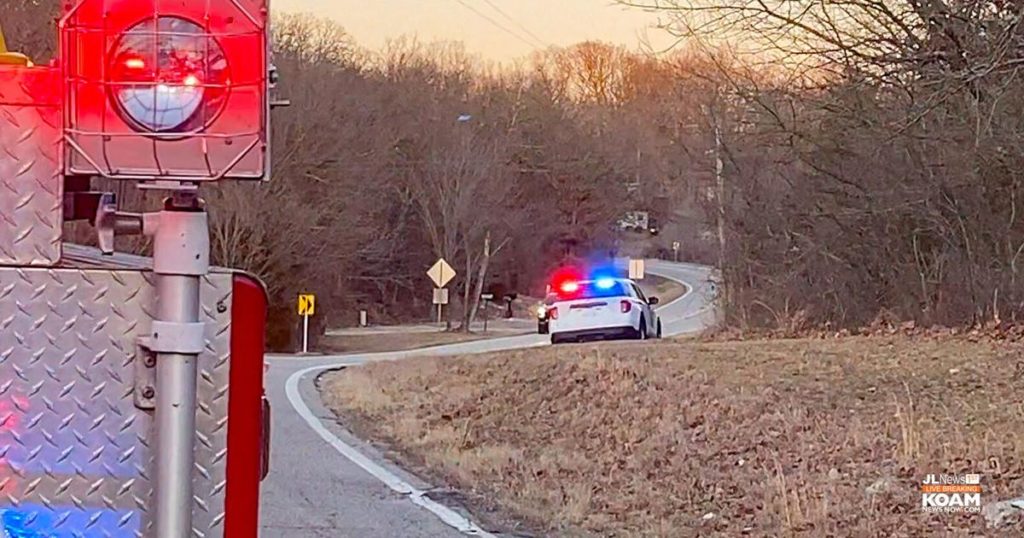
(307, 304)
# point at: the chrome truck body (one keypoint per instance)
(131, 389)
(77, 447)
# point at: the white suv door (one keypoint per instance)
(649, 316)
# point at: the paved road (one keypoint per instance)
(500, 325)
(324, 483)
(694, 311)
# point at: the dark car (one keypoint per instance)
(652, 226)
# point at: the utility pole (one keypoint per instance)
(719, 186)
(719, 194)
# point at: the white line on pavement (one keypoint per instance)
(417, 496)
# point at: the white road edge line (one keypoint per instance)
(418, 497)
(689, 288)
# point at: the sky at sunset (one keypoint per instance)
(499, 30)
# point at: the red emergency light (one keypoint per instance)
(566, 281)
(166, 89)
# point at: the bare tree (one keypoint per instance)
(887, 141)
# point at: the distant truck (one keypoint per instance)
(640, 222)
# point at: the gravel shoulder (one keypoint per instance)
(394, 341)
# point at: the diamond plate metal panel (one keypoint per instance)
(31, 184)
(75, 456)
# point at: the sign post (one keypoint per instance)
(440, 299)
(441, 274)
(307, 307)
(487, 297)
(636, 269)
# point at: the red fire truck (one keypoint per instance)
(131, 388)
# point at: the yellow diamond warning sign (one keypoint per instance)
(441, 273)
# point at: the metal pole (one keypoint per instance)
(181, 253)
(305, 334)
(175, 412)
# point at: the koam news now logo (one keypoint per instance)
(951, 493)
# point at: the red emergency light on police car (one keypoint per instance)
(166, 89)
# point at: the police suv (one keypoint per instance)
(603, 308)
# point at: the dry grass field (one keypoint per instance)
(664, 289)
(760, 438)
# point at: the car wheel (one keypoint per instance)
(555, 339)
(641, 333)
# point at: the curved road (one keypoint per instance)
(325, 483)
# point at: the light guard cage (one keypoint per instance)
(231, 143)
